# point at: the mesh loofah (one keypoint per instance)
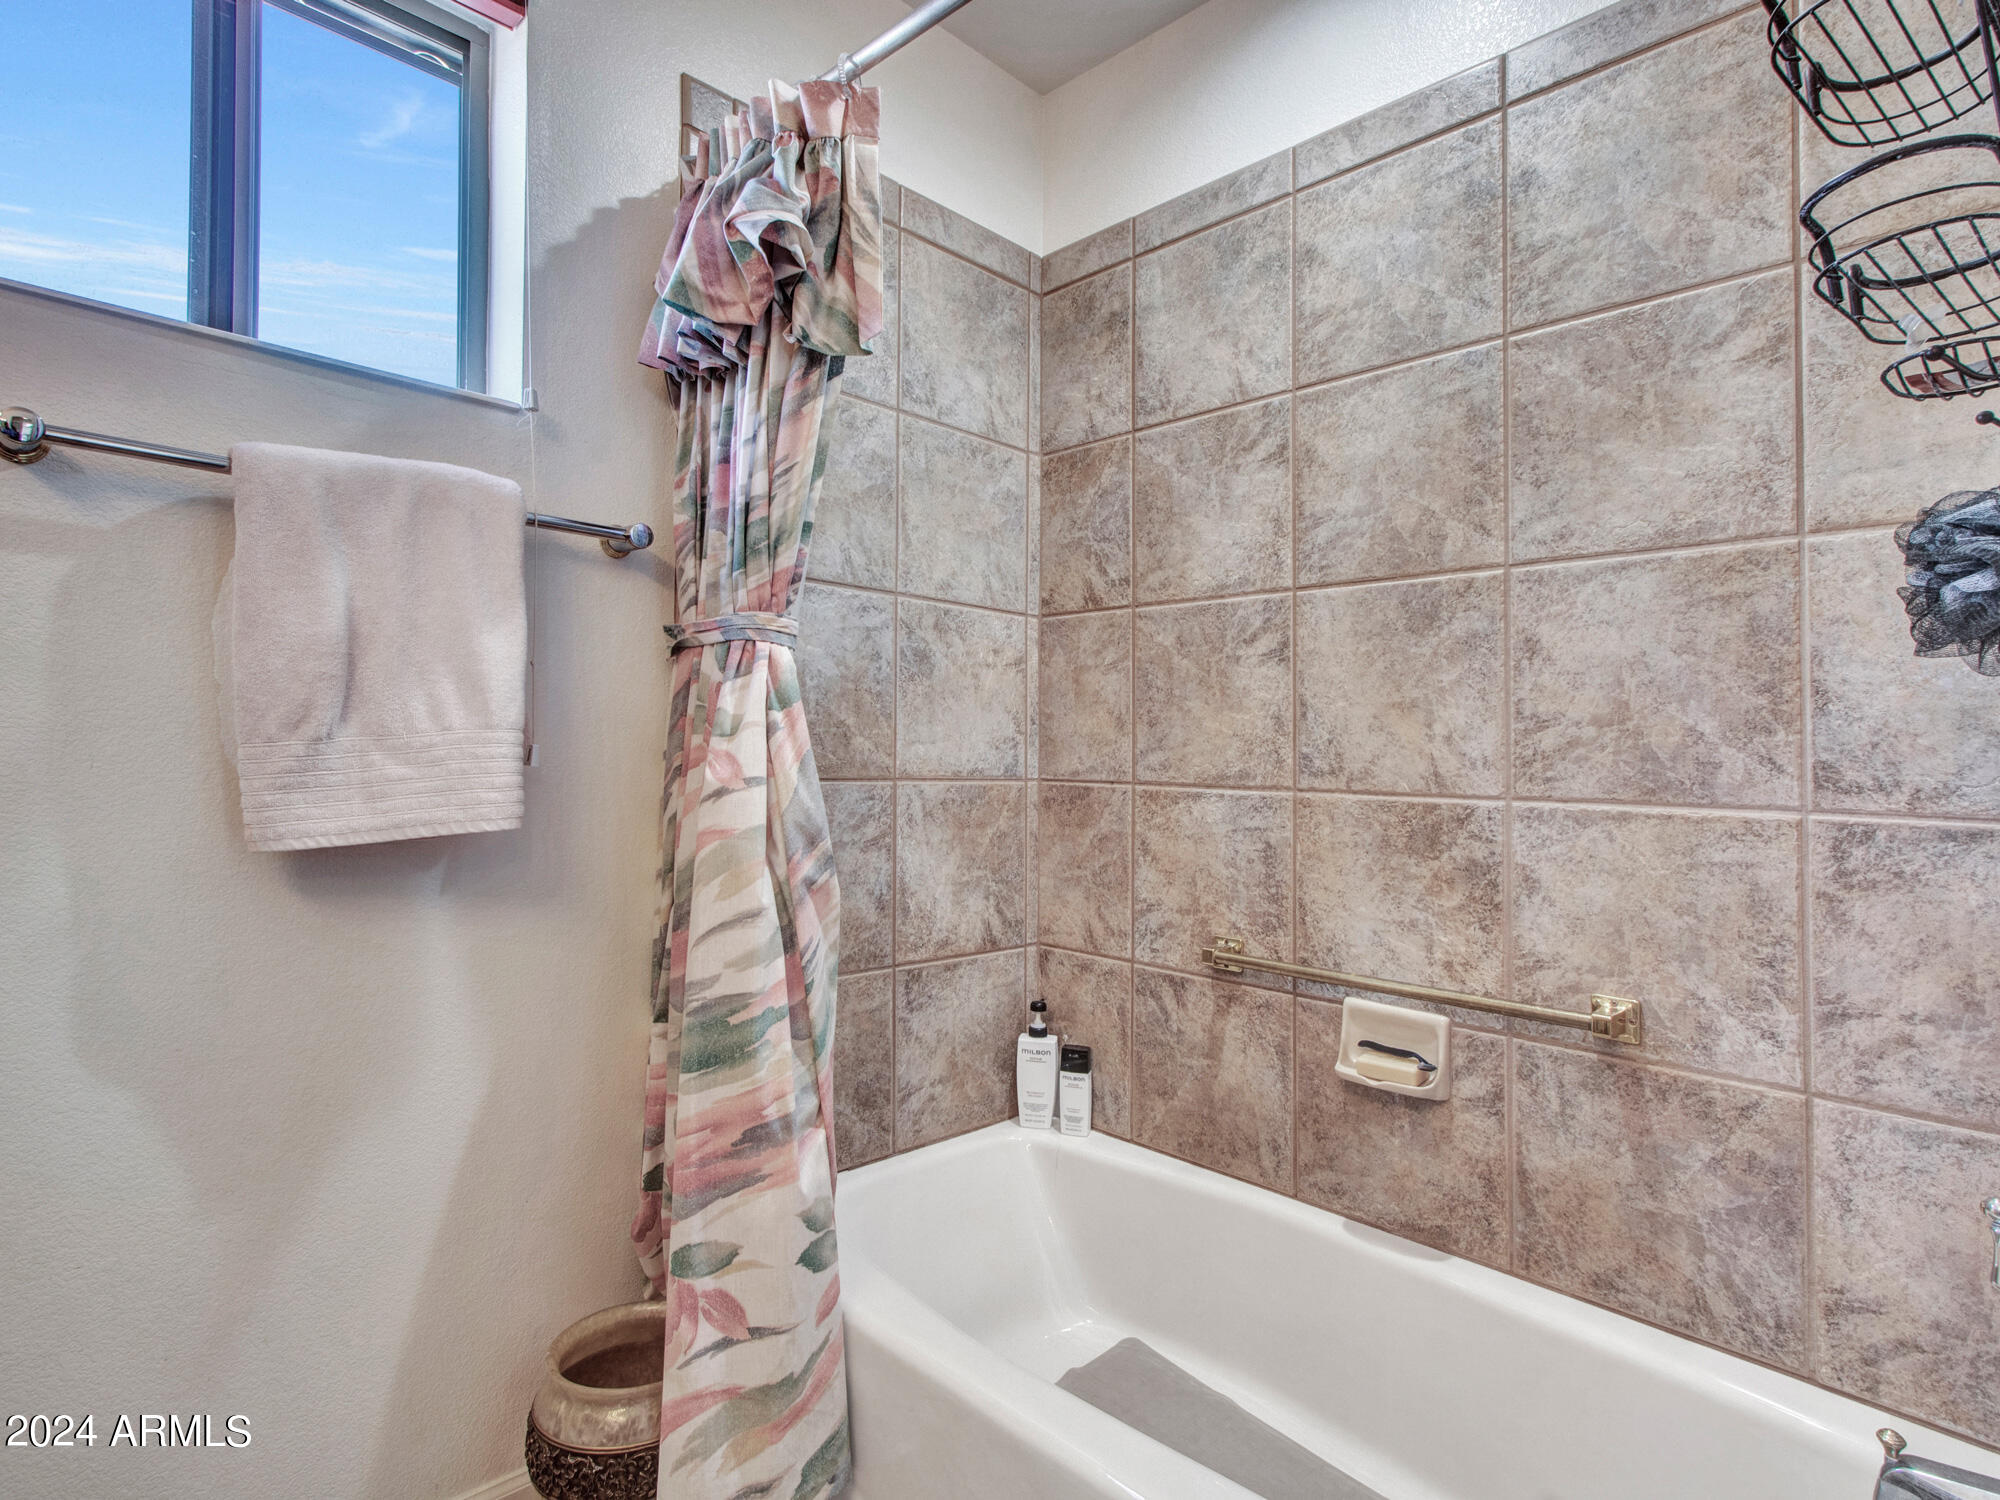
(1953, 593)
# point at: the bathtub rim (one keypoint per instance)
(1844, 1420)
(1116, 1461)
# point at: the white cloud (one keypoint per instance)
(127, 271)
(424, 254)
(336, 307)
(403, 117)
(129, 294)
(162, 230)
(299, 273)
(14, 208)
(414, 335)
(18, 244)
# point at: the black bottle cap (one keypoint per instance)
(1075, 1058)
(1038, 1020)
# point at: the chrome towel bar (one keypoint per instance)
(25, 439)
(1609, 1017)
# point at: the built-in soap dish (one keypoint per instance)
(1399, 1051)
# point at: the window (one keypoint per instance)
(308, 172)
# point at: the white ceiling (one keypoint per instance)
(1048, 42)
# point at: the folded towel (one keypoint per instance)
(372, 646)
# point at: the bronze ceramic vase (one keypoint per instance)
(594, 1429)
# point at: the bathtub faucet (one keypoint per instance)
(1922, 1478)
(1991, 1208)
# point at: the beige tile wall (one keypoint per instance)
(918, 638)
(1454, 549)
(1466, 558)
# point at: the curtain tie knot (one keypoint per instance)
(744, 625)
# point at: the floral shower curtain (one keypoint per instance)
(772, 277)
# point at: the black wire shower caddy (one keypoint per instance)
(1916, 265)
(1913, 69)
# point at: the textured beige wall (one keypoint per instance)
(338, 1140)
(1463, 562)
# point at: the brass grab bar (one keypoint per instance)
(1609, 1016)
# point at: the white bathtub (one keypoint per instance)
(977, 1271)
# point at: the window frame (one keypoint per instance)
(223, 169)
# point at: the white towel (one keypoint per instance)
(371, 642)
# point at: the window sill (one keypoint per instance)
(180, 326)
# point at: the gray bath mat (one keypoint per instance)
(1142, 1388)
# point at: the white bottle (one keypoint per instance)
(1073, 1090)
(1035, 1070)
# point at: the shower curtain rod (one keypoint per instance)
(25, 439)
(853, 64)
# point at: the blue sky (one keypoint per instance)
(358, 253)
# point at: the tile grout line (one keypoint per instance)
(1403, 148)
(1787, 538)
(896, 727)
(1808, 1269)
(927, 420)
(1564, 1042)
(1292, 190)
(938, 960)
(1974, 821)
(1031, 659)
(1132, 673)
(1050, 288)
(1470, 570)
(1297, 901)
(1297, 186)
(1985, 1129)
(1031, 749)
(915, 598)
(1222, 221)
(960, 255)
(1510, 1122)
(1485, 341)
(1597, 69)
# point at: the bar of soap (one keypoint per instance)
(1382, 1068)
